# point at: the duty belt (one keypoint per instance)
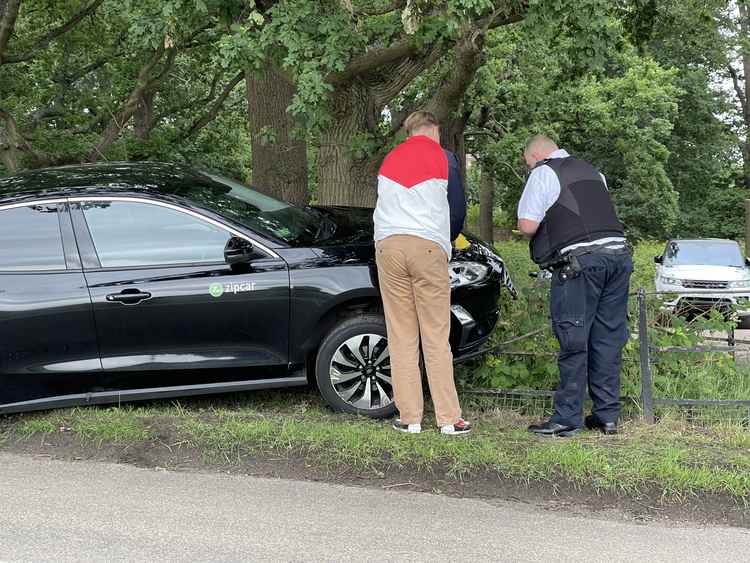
(569, 260)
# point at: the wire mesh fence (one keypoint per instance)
(689, 365)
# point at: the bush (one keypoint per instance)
(697, 376)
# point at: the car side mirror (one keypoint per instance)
(747, 261)
(238, 251)
(659, 259)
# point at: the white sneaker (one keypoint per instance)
(407, 428)
(460, 428)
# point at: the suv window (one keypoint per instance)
(30, 239)
(143, 234)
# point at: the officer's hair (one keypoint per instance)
(420, 119)
(538, 142)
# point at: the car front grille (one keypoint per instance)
(698, 284)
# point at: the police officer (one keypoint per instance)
(567, 211)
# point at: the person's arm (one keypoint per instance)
(541, 191)
(528, 227)
(456, 196)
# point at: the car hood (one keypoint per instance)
(354, 229)
(705, 273)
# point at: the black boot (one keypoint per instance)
(549, 428)
(592, 422)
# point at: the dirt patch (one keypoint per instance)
(167, 449)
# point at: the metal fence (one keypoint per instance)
(650, 404)
(647, 352)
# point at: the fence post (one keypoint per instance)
(647, 390)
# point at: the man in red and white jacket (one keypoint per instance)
(420, 211)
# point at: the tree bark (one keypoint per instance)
(13, 144)
(9, 152)
(369, 84)
(344, 176)
(745, 94)
(143, 119)
(279, 160)
(8, 14)
(486, 206)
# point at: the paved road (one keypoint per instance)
(85, 511)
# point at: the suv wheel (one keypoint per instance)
(353, 368)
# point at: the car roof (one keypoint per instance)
(156, 177)
(699, 240)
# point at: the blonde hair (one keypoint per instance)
(420, 119)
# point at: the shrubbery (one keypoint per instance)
(696, 376)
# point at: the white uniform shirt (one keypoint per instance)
(542, 191)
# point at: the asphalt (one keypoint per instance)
(89, 511)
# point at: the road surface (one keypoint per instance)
(87, 511)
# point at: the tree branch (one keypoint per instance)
(400, 75)
(8, 17)
(738, 89)
(406, 46)
(12, 141)
(380, 10)
(144, 83)
(213, 111)
(53, 34)
(468, 58)
(374, 59)
(190, 104)
(501, 18)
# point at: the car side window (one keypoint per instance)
(144, 234)
(30, 239)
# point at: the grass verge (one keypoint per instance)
(671, 460)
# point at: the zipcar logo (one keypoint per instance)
(216, 290)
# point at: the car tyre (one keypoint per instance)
(353, 367)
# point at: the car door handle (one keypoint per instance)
(129, 296)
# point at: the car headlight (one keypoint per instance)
(671, 281)
(466, 273)
(740, 283)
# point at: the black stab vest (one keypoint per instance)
(583, 213)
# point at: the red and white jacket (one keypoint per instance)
(413, 193)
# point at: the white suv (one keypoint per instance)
(704, 274)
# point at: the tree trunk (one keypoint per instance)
(745, 53)
(144, 116)
(343, 177)
(279, 159)
(13, 144)
(8, 14)
(8, 154)
(452, 138)
(486, 205)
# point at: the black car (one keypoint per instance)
(127, 281)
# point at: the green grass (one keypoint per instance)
(670, 458)
(110, 425)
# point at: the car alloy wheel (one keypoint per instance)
(360, 372)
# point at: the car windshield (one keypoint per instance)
(704, 253)
(268, 216)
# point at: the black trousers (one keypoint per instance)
(589, 318)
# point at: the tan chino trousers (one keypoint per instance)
(415, 286)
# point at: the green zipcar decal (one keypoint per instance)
(216, 290)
